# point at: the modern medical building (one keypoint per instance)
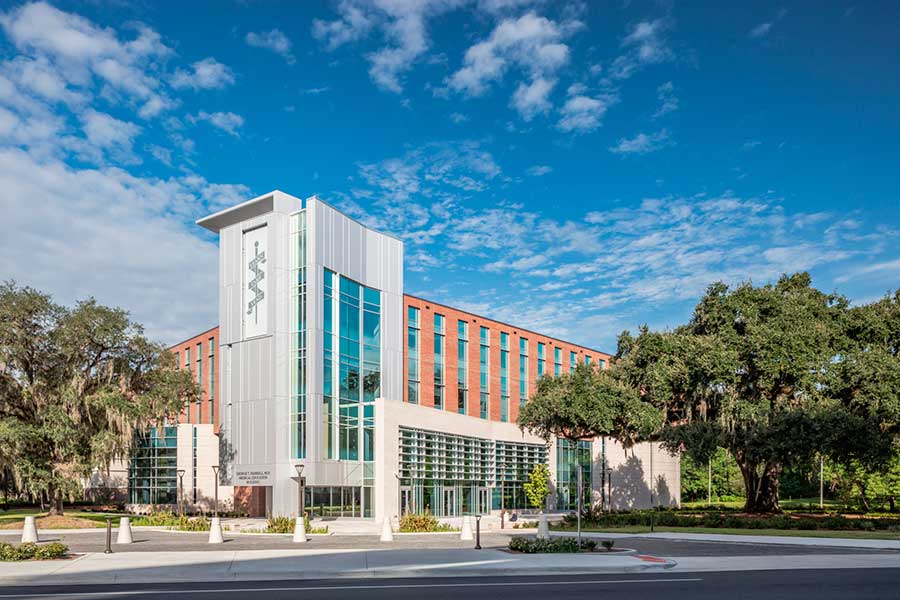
(391, 402)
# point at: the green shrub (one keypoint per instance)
(280, 525)
(608, 544)
(30, 551)
(422, 523)
(557, 545)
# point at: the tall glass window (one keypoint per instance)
(523, 371)
(212, 381)
(542, 360)
(153, 471)
(504, 376)
(200, 381)
(572, 361)
(601, 363)
(356, 374)
(484, 364)
(438, 361)
(557, 362)
(298, 341)
(571, 456)
(462, 367)
(187, 366)
(329, 423)
(587, 359)
(412, 350)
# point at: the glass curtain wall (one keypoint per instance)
(352, 364)
(153, 469)
(298, 339)
(570, 456)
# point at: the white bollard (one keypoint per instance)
(29, 531)
(124, 535)
(300, 530)
(466, 533)
(543, 532)
(215, 531)
(387, 534)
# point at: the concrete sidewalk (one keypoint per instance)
(161, 567)
(781, 540)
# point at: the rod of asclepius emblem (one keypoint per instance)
(259, 258)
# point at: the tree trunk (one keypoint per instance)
(55, 497)
(760, 487)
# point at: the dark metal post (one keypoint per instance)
(652, 507)
(108, 536)
(478, 532)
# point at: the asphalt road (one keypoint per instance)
(168, 541)
(857, 584)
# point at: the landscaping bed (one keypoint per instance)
(31, 551)
(563, 545)
(54, 522)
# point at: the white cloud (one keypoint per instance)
(71, 49)
(582, 113)
(273, 40)
(761, 30)
(668, 102)
(354, 24)
(644, 45)
(530, 43)
(108, 133)
(538, 170)
(315, 91)
(228, 122)
(533, 98)
(750, 144)
(459, 118)
(206, 74)
(643, 143)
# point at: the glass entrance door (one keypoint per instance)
(483, 506)
(405, 500)
(449, 501)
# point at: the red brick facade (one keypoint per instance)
(427, 310)
(201, 352)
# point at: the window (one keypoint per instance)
(438, 361)
(352, 361)
(557, 362)
(523, 371)
(541, 360)
(177, 361)
(462, 369)
(200, 381)
(212, 381)
(587, 359)
(484, 364)
(298, 340)
(153, 469)
(601, 363)
(570, 457)
(572, 360)
(187, 366)
(412, 363)
(504, 376)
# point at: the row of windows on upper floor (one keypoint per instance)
(198, 369)
(413, 379)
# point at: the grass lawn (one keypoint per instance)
(859, 535)
(72, 518)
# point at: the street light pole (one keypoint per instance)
(180, 492)
(301, 483)
(215, 469)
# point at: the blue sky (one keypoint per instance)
(577, 168)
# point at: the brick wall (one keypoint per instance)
(201, 412)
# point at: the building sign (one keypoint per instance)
(255, 284)
(253, 475)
